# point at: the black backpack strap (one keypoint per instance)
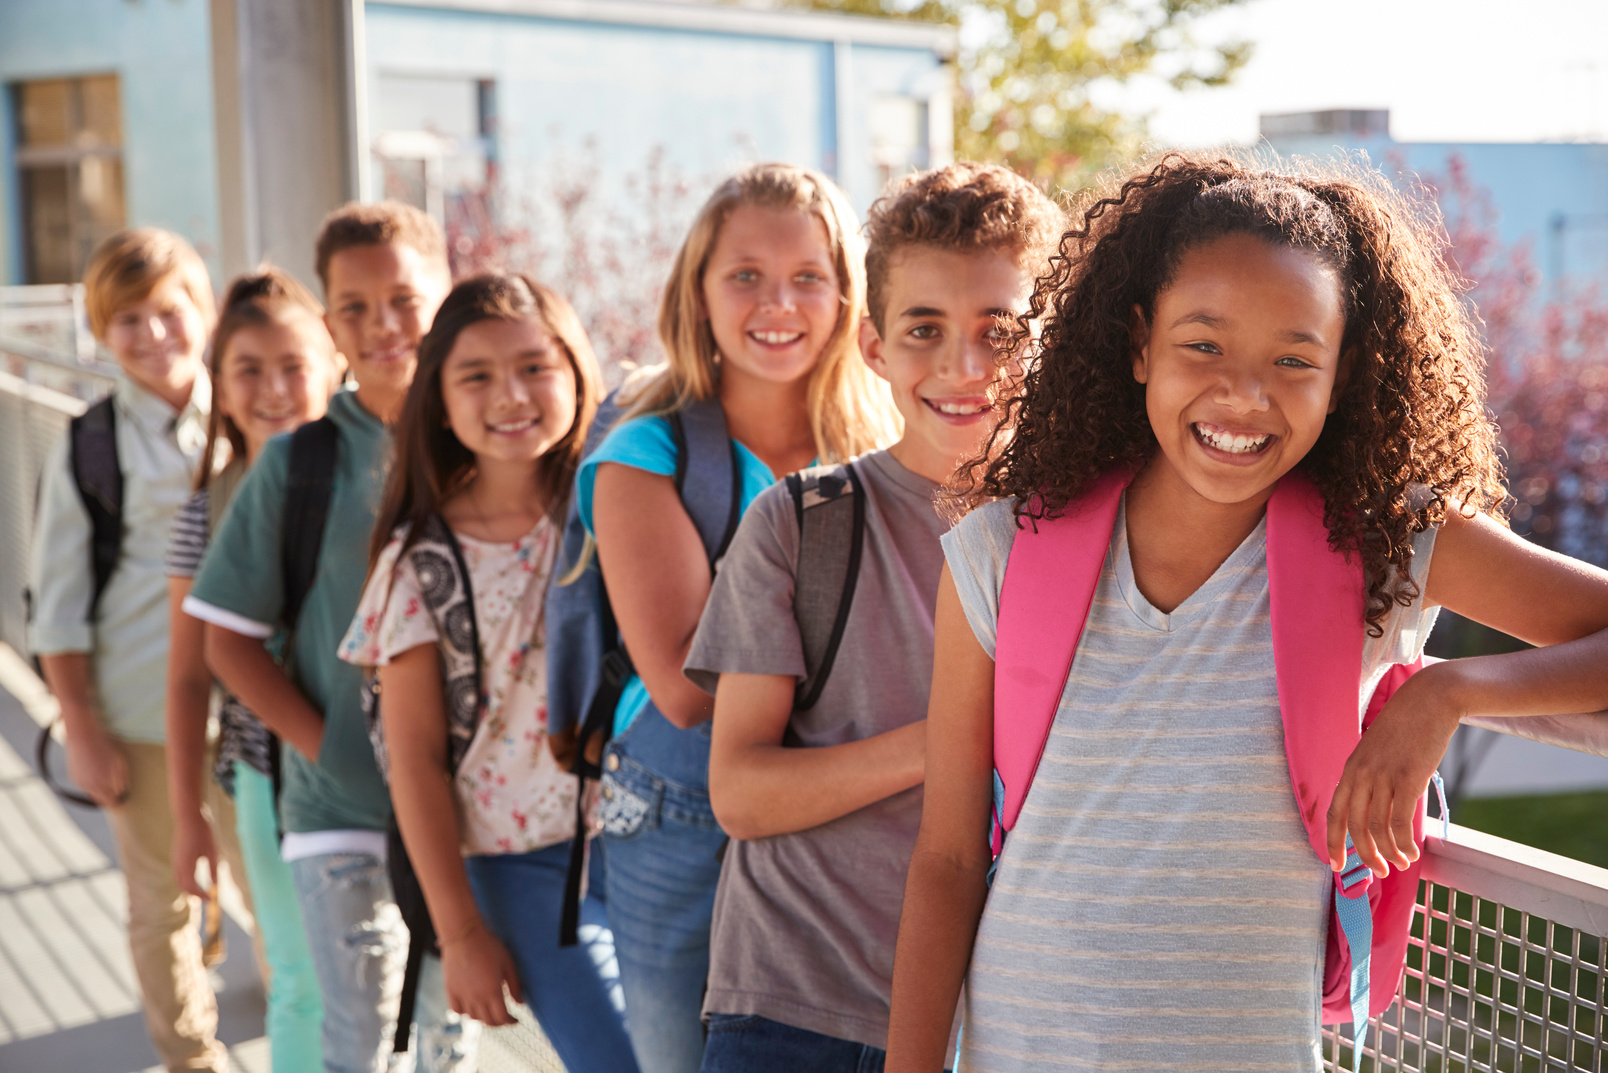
(829, 502)
(708, 475)
(450, 598)
(98, 474)
(309, 481)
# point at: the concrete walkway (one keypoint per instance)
(68, 1000)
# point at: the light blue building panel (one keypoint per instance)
(710, 87)
(160, 55)
(1553, 196)
(451, 85)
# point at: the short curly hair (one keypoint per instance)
(1412, 408)
(359, 224)
(963, 206)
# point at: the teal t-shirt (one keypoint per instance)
(241, 576)
(646, 443)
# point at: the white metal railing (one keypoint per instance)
(1507, 967)
(39, 393)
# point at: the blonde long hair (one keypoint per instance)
(850, 409)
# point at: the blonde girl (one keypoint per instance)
(273, 368)
(760, 317)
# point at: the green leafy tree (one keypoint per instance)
(1035, 76)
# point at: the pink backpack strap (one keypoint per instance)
(1037, 638)
(1310, 588)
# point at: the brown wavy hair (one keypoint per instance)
(963, 207)
(268, 296)
(1412, 407)
(431, 463)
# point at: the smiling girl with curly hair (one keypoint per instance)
(1232, 360)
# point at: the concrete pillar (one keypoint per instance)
(288, 76)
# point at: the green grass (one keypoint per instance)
(1570, 825)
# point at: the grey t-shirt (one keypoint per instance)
(805, 923)
(1159, 851)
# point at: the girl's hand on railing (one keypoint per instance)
(1389, 770)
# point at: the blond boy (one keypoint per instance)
(105, 656)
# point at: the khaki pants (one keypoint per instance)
(181, 1013)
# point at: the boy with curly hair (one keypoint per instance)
(818, 759)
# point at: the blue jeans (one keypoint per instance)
(745, 1043)
(359, 946)
(573, 991)
(661, 870)
(295, 1010)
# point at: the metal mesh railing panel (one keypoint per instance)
(28, 428)
(1488, 989)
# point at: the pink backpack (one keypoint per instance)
(1318, 668)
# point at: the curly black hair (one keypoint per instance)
(1411, 410)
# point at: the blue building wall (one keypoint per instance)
(709, 101)
(160, 51)
(1552, 195)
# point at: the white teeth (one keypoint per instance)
(959, 408)
(514, 426)
(777, 338)
(1232, 442)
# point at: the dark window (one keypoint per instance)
(70, 172)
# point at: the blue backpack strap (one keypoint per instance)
(588, 665)
(1356, 927)
(708, 476)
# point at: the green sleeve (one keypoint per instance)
(241, 574)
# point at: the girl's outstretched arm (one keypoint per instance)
(948, 879)
(658, 577)
(759, 787)
(1483, 572)
(474, 964)
(189, 696)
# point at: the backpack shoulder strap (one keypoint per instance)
(1036, 639)
(443, 575)
(829, 502)
(98, 473)
(708, 477)
(310, 480)
(1318, 668)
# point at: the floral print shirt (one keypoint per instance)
(513, 796)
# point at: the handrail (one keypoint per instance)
(27, 351)
(1568, 892)
(1586, 733)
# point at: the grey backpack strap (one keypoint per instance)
(708, 477)
(829, 502)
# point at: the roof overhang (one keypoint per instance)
(721, 18)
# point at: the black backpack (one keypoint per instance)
(587, 663)
(98, 473)
(443, 575)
